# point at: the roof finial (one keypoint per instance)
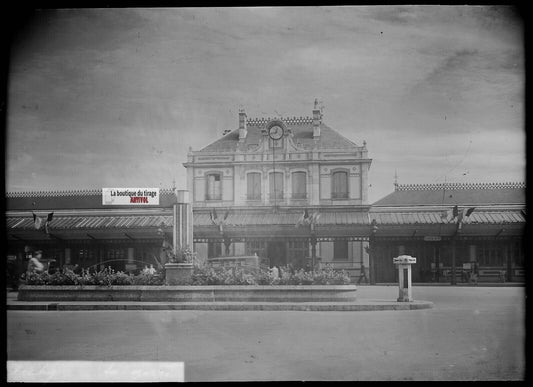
(395, 179)
(316, 103)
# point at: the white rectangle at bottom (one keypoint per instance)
(94, 371)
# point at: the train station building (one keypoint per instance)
(295, 192)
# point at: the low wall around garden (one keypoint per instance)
(208, 293)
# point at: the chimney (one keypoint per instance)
(317, 119)
(242, 125)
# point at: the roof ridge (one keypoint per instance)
(439, 186)
(78, 192)
(288, 120)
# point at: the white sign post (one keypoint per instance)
(404, 263)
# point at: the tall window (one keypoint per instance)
(214, 191)
(214, 249)
(340, 250)
(276, 185)
(254, 186)
(339, 186)
(256, 247)
(299, 185)
(298, 252)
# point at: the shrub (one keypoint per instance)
(202, 275)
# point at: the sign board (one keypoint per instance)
(130, 196)
(404, 259)
(432, 238)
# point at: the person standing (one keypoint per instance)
(362, 276)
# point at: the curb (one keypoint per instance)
(214, 306)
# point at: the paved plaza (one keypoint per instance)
(472, 333)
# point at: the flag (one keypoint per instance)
(304, 219)
(37, 222)
(469, 212)
(455, 211)
(460, 217)
(48, 220)
(314, 217)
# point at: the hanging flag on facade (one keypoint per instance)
(460, 216)
(304, 219)
(307, 219)
(48, 220)
(455, 212)
(470, 210)
(37, 222)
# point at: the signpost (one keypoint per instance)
(404, 263)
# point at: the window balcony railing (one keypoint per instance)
(339, 195)
(299, 195)
(253, 197)
(278, 196)
(213, 197)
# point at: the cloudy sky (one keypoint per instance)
(114, 97)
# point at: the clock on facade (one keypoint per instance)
(275, 132)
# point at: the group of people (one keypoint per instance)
(16, 272)
(149, 270)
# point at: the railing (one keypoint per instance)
(339, 195)
(278, 196)
(213, 197)
(299, 195)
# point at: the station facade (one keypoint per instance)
(288, 190)
(465, 226)
(268, 179)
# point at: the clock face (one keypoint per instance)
(275, 132)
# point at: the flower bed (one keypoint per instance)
(202, 275)
(209, 284)
(187, 293)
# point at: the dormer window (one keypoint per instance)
(214, 187)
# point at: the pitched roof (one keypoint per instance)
(302, 130)
(81, 199)
(454, 194)
(434, 217)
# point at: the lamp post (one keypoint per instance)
(313, 246)
(371, 250)
(453, 280)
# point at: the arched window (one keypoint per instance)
(339, 185)
(214, 187)
(276, 185)
(299, 185)
(254, 186)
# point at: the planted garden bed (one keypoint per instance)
(206, 293)
(208, 285)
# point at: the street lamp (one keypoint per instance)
(313, 246)
(371, 250)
